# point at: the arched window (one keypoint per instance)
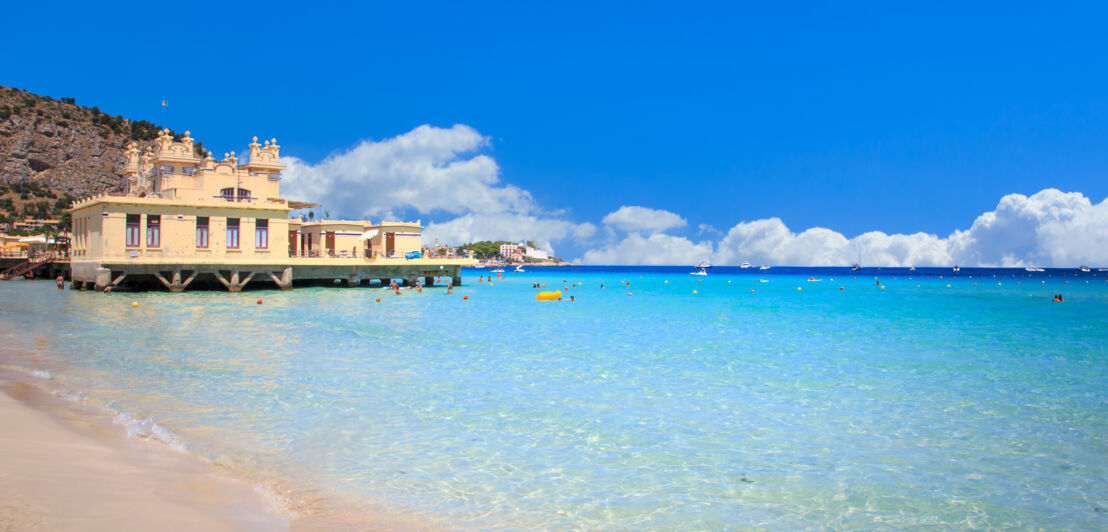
(227, 194)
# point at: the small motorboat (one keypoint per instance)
(744, 265)
(957, 269)
(519, 269)
(764, 267)
(1034, 269)
(1085, 268)
(855, 266)
(701, 272)
(703, 265)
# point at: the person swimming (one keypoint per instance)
(1058, 298)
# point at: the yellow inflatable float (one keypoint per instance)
(548, 296)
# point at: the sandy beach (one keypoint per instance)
(60, 471)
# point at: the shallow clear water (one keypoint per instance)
(910, 406)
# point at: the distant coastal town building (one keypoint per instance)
(517, 252)
(184, 215)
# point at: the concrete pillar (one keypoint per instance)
(103, 278)
(285, 281)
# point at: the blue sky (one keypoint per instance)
(853, 117)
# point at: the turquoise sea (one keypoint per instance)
(679, 403)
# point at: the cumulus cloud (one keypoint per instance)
(656, 249)
(509, 226)
(427, 169)
(635, 218)
(1049, 228)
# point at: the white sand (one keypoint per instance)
(59, 474)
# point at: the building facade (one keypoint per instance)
(186, 214)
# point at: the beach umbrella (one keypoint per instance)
(368, 234)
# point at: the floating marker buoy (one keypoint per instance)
(694, 291)
(948, 286)
(628, 294)
(882, 287)
(729, 281)
(134, 304)
(466, 298)
(840, 288)
(751, 291)
(259, 301)
(378, 300)
(700, 280)
(666, 282)
(974, 284)
(548, 296)
(799, 288)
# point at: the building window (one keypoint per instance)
(188, 170)
(134, 229)
(232, 233)
(164, 169)
(244, 195)
(153, 230)
(227, 194)
(202, 232)
(261, 233)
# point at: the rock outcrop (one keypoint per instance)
(65, 147)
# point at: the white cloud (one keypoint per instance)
(508, 226)
(635, 218)
(1050, 228)
(430, 170)
(656, 249)
(425, 170)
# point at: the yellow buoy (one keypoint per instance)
(799, 288)
(694, 291)
(134, 304)
(548, 296)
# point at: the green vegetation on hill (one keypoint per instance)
(19, 201)
(485, 249)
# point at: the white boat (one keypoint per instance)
(911, 268)
(764, 267)
(701, 272)
(855, 266)
(957, 269)
(519, 269)
(763, 280)
(744, 264)
(703, 265)
(1085, 268)
(1034, 269)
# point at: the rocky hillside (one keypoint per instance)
(61, 146)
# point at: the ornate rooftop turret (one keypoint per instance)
(268, 155)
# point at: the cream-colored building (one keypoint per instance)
(184, 214)
(179, 205)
